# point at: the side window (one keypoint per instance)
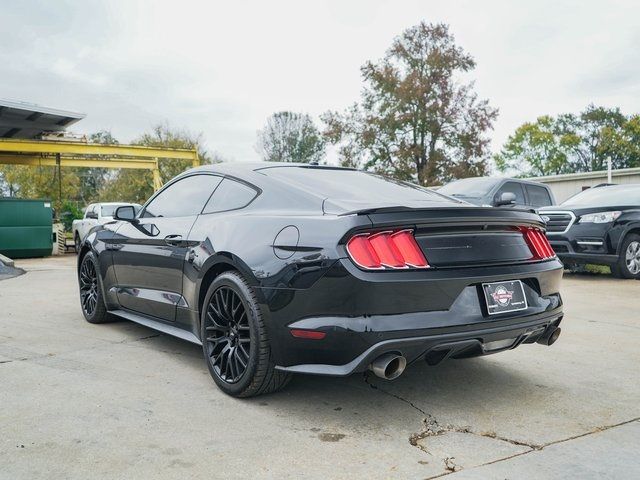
(516, 189)
(538, 196)
(230, 195)
(183, 198)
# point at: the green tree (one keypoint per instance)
(94, 179)
(416, 119)
(24, 181)
(290, 137)
(129, 185)
(573, 143)
(541, 148)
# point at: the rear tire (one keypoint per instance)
(628, 265)
(76, 242)
(234, 339)
(91, 299)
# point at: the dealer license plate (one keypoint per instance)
(503, 297)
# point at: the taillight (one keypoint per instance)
(386, 250)
(538, 243)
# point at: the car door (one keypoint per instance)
(149, 253)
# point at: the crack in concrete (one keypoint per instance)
(398, 397)
(537, 447)
(40, 356)
(431, 428)
(140, 339)
(450, 465)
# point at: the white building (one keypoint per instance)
(567, 185)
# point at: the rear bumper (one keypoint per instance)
(365, 314)
(441, 346)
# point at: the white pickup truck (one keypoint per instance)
(95, 214)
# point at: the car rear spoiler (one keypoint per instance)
(388, 216)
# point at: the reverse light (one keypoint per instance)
(600, 217)
(386, 250)
(538, 243)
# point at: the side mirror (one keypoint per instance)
(92, 215)
(506, 198)
(126, 213)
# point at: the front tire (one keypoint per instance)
(628, 265)
(91, 299)
(234, 339)
(76, 241)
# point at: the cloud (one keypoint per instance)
(221, 68)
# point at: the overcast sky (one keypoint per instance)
(221, 68)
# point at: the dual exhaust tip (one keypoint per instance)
(550, 336)
(389, 366)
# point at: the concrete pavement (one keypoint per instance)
(122, 401)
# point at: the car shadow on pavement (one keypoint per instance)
(453, 385)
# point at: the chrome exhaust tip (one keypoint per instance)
(389, 366)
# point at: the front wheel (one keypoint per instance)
(628, 265)
(234, 339)
(76, 241)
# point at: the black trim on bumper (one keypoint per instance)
(456, 345)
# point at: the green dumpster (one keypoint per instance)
(25, 228)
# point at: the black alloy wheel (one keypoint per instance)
(91, 301)
(235, 342)
(228, 332)
(88, 287)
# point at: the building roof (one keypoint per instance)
(621, 172)
(27, 120)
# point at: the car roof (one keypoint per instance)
(508, 179)
(238, 168)
(301, 187)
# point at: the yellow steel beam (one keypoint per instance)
(157, 180)
(148, 164)
(73, 148)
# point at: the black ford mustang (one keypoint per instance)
(282, 268)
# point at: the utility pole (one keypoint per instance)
(609, 170)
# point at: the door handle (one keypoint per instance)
(173, 240)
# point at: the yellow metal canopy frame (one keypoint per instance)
(78, 154)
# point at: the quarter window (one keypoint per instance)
(230, 195)
(183, 198)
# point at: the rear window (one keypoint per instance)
(346, 184)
